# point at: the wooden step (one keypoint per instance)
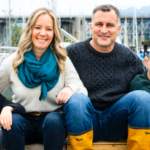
(119, 145)
(38, 147)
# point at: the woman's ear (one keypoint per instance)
(146, 62)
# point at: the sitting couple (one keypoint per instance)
(45, 81)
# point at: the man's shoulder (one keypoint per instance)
(122, 47)
(127, 51)
(76, 46)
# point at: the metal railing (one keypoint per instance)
(69, 36)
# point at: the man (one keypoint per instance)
(106, 69)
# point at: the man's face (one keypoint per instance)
(105, 29)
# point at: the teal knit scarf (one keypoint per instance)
(32, 73)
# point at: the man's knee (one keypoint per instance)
(77, 103)
(140, 109)
(140, 99)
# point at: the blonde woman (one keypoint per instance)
(42, 78)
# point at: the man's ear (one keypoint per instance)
(91, 27)
(119, 28)
(146, 62)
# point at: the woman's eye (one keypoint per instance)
(37, 27)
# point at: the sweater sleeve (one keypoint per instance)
(72, 78)
(134, 84)
(5, 75)
(4, 83)
(17, 107)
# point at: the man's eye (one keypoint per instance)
(99, 24)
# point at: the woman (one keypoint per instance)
(42, 78)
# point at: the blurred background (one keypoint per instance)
(74, 17)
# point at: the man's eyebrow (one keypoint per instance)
(109, 23)
(99, 22)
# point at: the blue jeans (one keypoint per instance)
(49, 130)
(132, 110)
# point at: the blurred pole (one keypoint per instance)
(79, 22)
(9, 24)
(136, 34)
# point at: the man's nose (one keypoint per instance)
(104, 29)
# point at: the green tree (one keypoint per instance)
(16, 33)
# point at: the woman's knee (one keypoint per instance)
(54, 119)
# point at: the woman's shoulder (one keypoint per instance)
(7, 62)
(10, 58)
(67, 60)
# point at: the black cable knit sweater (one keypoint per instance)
(17, 107)
(106, 76)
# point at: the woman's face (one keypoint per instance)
(42, 33)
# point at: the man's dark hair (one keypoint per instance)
(107, 8)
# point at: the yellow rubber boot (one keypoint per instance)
(138, 139)
(82, 142)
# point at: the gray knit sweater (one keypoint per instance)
(29, 97)
(106, 76)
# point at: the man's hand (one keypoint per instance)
(64, 95)
(6, 117)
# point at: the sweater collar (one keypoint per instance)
(87, 42)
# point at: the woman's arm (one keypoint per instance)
(73, 84)
(5, 72)
(72, 78)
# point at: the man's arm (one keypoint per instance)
(17, 108)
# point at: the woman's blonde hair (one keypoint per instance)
(25, 43)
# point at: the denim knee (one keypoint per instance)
(77, 104)
(140, 99)
(54, 131)
(78, 113)
(17, 123)
(54, 120)
(140, 109)
(17, 129)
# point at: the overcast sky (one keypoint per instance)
(64, 7)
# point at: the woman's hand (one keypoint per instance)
(6, 117)
(64, 95)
